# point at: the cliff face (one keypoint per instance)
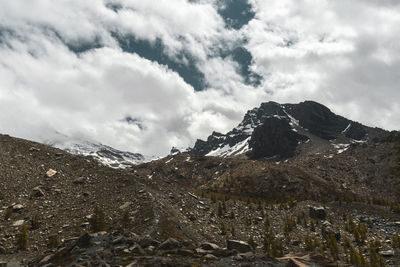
(274, 138)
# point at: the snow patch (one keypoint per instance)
(227, 150)
(347, 128)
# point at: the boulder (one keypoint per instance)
(17, 207)
(387, 253)
(132, 264)
(125, 205)
(317, 213)
(209, 246)
(38, 192)
(84, 241)
(80, 180)
(210, 257)
(18, 223)
(170, 244)
(240, 246)
(50, 173)
(138, 250)
(185, 252)
(147, 242)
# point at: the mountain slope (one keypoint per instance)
(279, 131)
(195, 200)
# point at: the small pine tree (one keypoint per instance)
(333, 246)
(22, 238)
(276, 248)
(98, 221)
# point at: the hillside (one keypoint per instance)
(287, 209)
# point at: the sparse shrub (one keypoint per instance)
(289, 224)
(267, 224)
(312, 225)
(272, 245)
(53, 241)
(35, 222)
(223, 228)
(213, 198)
(395, 207)
(248, 221)
(98, 221)
(396, 241)
(220, 211)
(353, 257)
(77, 230)
(233, 231)
(22, 238)
(252, 243)
(125, 220)
(8, 214)
(232, 215)
(311, 243)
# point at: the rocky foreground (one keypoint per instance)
(57, 209)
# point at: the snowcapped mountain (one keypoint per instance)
(104, 154)
(276, 131)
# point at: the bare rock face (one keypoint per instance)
(276, 138)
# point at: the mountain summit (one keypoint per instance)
(277, 132)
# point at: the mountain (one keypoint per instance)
(104, 154)
(278, 132)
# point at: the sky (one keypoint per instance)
(144, 76)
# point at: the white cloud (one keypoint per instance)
(341, 53)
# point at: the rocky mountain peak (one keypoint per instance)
(280, 131)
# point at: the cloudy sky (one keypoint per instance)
(147, 75)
